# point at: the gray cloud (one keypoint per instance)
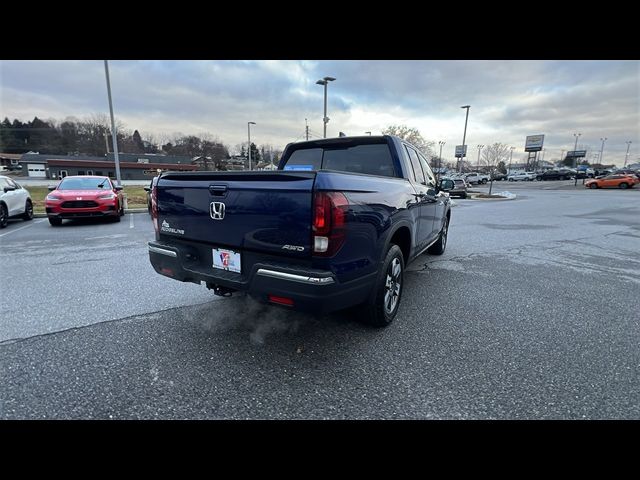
(509, 99)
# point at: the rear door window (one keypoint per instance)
(415, 163)
(368, 159)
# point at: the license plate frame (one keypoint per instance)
(228, 260)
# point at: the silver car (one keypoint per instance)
(15, 201)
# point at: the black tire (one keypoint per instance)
(384, 302)
(28, 211)
(464, 195)
(593, 185)
(439, 247)
(484, 181)
(116, 218)
(623, 185)
(122, 210)
(4, 215)
(55, 222)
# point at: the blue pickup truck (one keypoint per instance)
(334, 227)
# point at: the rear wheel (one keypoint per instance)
(383, 304)
(28, 211)
(55, 222)
(593, 185)
(438, 247)
(4, 216)
(624, 185)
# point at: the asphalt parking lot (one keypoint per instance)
(531, 313)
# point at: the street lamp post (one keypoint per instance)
(602, 150)
(325, 81)
(577, 135)
(510, 158)
(626, 157)
(441, 143)
(249, 135)
(114, 134)
(480, 147)
(464, 135)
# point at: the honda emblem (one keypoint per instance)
(216, 210)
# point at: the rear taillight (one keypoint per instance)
(329, 215)
(154, 209)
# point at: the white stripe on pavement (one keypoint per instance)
(26, 226)
(131, 220)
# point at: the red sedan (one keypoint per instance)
(83, 197)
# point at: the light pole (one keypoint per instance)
(561, 154)
(441, 143)
(626, 157)
(577, 135)
(325, 81)
(602, 150)
(249, 135)
(464, 135)
(114, 134)
(480, 147)
(510, 158)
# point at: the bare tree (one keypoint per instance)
(492, 155)
(413, 136)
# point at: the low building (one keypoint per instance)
(132, 166)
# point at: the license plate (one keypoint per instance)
(226, 260)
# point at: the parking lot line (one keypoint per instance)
(131, 220)
(20, 228)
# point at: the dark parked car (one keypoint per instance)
(562, 174)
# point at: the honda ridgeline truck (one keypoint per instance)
(334, 227)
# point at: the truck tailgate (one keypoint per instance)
(261, 211)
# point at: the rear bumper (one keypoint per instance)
(310, 290)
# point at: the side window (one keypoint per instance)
(415, 164)
(431, 179)
(3, 183)
(13, 184)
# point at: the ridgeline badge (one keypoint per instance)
(167, 228)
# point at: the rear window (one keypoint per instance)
(370, 159)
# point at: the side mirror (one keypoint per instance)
(51, 188)
(9, 189)
(446, 185)
(147, 189)
(118, 189)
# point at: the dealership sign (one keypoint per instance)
(534, 143)
(576, 154)
(461, 151)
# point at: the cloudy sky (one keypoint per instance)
(509, 99)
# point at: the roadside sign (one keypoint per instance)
(534, 143)
(576, 154)
(461, 151)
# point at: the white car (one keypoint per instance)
(15, 201)
(524, 176)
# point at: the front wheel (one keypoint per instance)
(28, 211)
(593, 186)
(4, 216)
(438, 247)
(383, 304)
(55, 222)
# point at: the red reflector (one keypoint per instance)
(281, 300)
(166, 271)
